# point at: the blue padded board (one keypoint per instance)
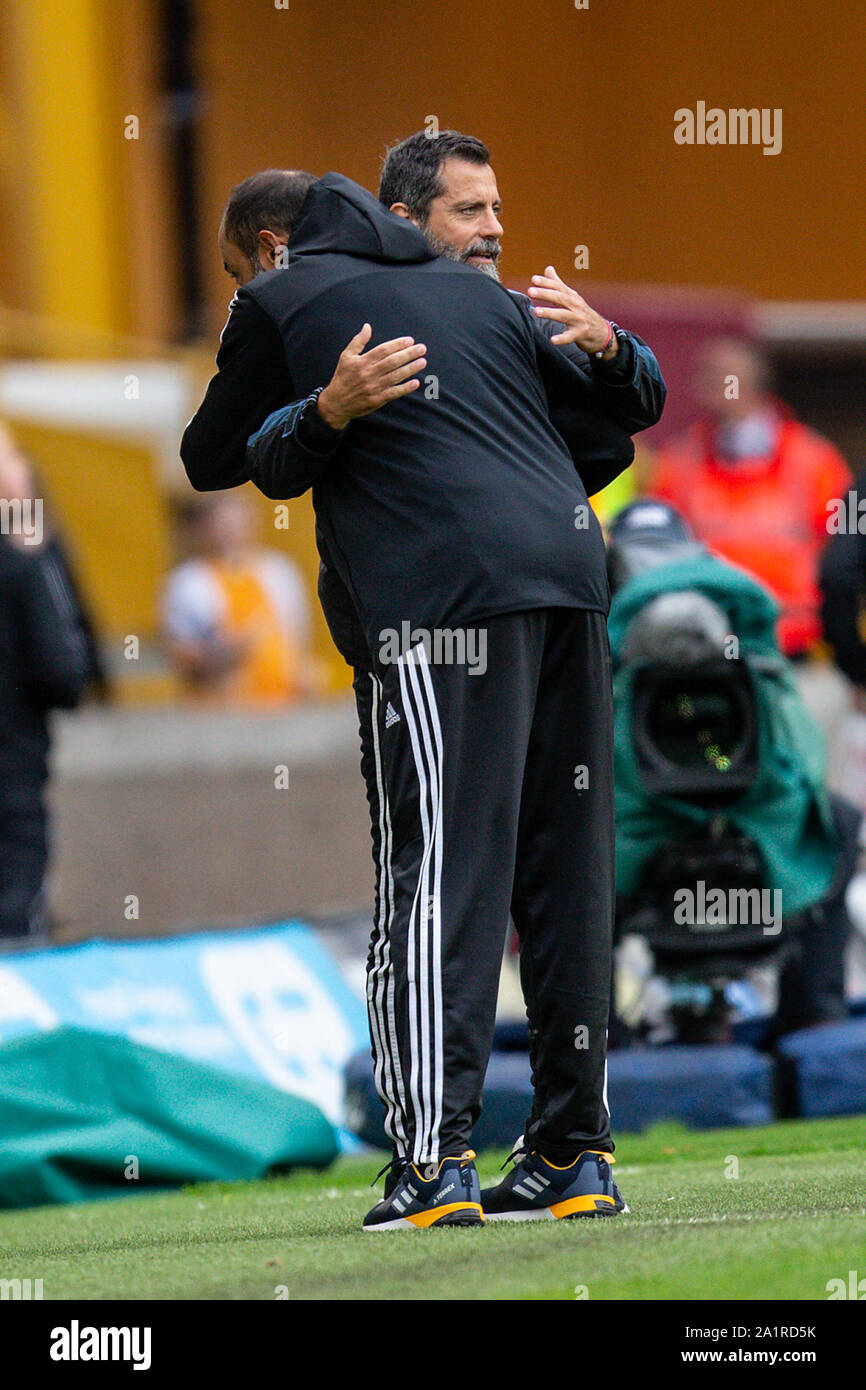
(827, 1068)
(703, 1087)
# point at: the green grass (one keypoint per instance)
(793, 1219)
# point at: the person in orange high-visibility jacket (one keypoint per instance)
(754, 484)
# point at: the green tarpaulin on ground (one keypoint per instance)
(81, 1112)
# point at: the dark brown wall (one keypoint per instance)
(578, 107)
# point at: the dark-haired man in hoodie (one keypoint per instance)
(456, 514)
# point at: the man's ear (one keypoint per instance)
(273, 250)
(402, 211)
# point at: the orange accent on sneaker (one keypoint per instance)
(563, 1168)
(430, 1218)
(454, 1158)
(575, 1204)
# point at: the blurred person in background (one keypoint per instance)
(843, 590)
(236, 615)
(23, 486)
(753, 484)
(45, 663)
(843, 610)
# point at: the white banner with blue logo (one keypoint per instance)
(268, 1002)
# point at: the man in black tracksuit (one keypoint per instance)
(461, 513)
(583, 432)
(348, 637)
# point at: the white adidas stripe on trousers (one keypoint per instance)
(424, 947)
(387, 1071)
(424, 929)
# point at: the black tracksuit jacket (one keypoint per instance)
(434, 511)
(627, 395)
(43, 666)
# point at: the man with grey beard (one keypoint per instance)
(447, 187)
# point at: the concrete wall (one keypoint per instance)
(180, 808)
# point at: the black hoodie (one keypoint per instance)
(446, 506)
(43, 666)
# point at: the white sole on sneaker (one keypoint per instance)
(543, 1214)
(401, 1224)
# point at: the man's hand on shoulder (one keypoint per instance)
(553, 299)
(365, 381)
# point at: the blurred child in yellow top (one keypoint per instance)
(235, 615)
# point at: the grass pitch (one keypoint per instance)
(770, 1213)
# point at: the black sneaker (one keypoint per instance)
(392, 1173)
(537, 1190)
(447, 1193)
(395, 1173)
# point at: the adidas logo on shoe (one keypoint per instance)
(391, 715)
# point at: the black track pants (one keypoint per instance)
(491, 788)
(23, 863)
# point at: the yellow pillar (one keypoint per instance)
(70, 214)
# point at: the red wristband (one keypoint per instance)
(603, 350)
